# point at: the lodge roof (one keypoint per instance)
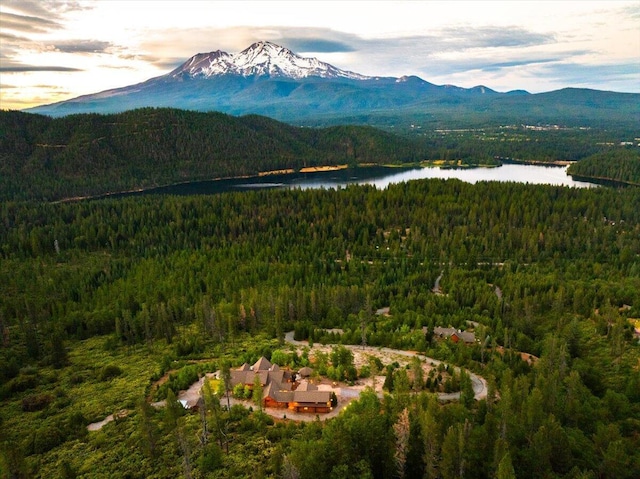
(312, 397)
(276, 387)
(262, 364)
(466, 336)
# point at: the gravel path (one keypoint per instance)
(96, 426)
(390, 355)
(345, 393)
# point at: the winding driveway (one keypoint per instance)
(478, 382)
(190, 396)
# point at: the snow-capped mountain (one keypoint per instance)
(263, 59)
(270, 80)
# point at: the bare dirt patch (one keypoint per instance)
(96, 426)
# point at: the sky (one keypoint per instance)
(53, 50)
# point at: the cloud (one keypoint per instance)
(631, 11)
(453, 40)
(9, 65)
(49, 87)
(161, 63)
(181, 44)
(23, 23)
(583, 74)
(495, 50)
(9, 37)
(11, 44)
(443, 67)
(169, 64)
(170, 48)
(36, 68)
(316, 45)
(158, 61)
(489, 37)
(45, 8)
(41, 17)
(18, 102)
(326, 40)
(515, 63)
(82, 46)
(524, 60)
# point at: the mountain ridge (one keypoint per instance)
(271, 80)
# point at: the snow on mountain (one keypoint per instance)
(260, 59)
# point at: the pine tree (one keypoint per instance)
(148, 429)
(505, 468)
(418, 374)
(257, 391)
(225, 372)
(401, 431)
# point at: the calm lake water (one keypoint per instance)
(381, 177)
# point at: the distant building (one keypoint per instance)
(456, 335)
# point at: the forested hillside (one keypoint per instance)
(99, 299)
(87, 155)
(622, 165)
(519, 142)
(49, 159)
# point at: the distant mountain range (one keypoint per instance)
(270, 80)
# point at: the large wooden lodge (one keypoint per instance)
(280, 388)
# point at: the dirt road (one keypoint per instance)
(388, 355)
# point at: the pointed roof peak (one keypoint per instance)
(262, 364)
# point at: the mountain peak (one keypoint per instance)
(262, 59)
(264, 46)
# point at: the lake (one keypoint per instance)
(381, 177)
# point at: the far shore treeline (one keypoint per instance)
(89, 154)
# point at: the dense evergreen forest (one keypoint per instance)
(99, 299)
(47, 159)
(622, 165)
(79, 155)
(520, 142)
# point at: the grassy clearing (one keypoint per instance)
(101, 378)
(98, 398)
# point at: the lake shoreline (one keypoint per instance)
(604, 181)
(259, 175)
(337, 176)
(517, 161)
